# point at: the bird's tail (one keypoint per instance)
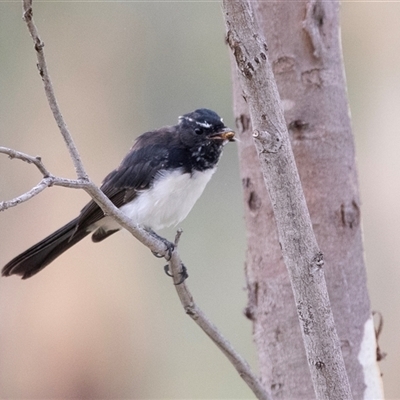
(31, 261)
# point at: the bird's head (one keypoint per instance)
(204, 126)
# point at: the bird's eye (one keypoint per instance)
(198, 131)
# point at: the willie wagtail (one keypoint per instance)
(156, 185)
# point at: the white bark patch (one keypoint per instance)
(367, 358)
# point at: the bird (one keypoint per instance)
(156, 185)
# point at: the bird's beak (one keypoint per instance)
(226, 134)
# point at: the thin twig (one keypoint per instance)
(198, 316)
(37, 161)
(48, 87)
(47, 181)
(43, 184)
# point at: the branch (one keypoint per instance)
(43, 184)
(48, 88)
(37, 161)
(301, 253)
(47, 181)
(198, 316)
(154, 244)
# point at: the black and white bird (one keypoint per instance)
(156, 185)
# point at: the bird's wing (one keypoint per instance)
(135, 173)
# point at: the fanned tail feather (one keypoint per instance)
(33, 260)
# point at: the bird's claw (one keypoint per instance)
(166, 270)
(158, 255)
(170, 247)
(183, 274)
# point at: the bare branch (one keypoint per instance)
(47, 181)
(43, 184)
(37, 161)
(198, 316)
(48, 87)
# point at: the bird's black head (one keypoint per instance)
(204, 125)
(202, 135)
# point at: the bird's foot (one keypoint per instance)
(170, 247)
(183, 274)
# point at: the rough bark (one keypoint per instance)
(305, 53)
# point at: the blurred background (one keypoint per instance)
(103, 321)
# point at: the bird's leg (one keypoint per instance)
(170, 248)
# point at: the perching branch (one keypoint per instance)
(198, 316)
(301, 253)
(83, 182)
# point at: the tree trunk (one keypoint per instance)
(304, 50)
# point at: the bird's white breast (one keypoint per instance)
(169, 200)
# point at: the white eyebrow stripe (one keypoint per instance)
(182, 117)
(202, 124)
